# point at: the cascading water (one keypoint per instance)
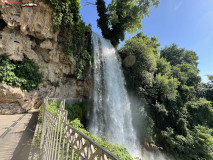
(111, 114)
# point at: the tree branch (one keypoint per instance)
(89, 3)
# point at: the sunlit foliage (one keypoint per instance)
(122, 16)
(169, 81)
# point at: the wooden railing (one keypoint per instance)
(61, 141)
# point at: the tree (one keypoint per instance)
(209, 92)
(184, 68)
(199, 112)
(139, 61)
(149, 76)
(122, 16)
(196, 145)
(206, 89)
(175, 55)
(176, 118)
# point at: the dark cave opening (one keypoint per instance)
(2, 23)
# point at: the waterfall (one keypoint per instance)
(111, 114)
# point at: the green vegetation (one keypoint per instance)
(179, 111)
(24, 74)
(74, 110)
(53, 106)
(74, 35)
(122, 16)
(206, 90)
(74, 114)
(116, 149)
(179, 116)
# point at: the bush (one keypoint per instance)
(76, 111)
(24, 74)
(116, 149)
(53, 106)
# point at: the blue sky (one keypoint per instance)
(188, 23)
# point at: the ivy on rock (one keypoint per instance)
(24, 74)
(74, 34)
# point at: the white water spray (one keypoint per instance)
(111, 114)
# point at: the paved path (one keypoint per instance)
(16, 133)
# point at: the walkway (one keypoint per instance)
(16, 133)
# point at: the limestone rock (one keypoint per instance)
(54, 56)
(11, 14)
(16, 45)
(28, 32)
(13, 100)
(37, 21)
(46, 44)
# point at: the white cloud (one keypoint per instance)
(178, 6)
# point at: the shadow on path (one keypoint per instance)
(23, 148)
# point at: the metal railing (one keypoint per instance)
(61, 141)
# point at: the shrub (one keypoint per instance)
(116, 149)
(24, 74)
(76, 111)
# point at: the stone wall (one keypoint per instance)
(27, 32)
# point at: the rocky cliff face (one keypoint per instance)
(27, 32)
